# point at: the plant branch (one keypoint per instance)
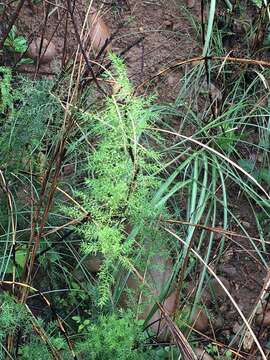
(88, 63)
(11, 23)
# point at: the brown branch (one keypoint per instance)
(203, 58)
(88, 63)
(182, 343)
(50, 306)
(12, 21)
(108, 65)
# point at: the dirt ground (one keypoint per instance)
(167, 33)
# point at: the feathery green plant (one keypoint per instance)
(122, 178)
(6, 100)
(114, 337)
(30, 121)
(13, 316)
(13, 319)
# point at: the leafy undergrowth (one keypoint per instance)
(109, 216)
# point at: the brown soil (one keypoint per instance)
(167, 34)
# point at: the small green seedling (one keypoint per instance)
(82, 324)
(17, 44)
(14, 42)
(258, 3)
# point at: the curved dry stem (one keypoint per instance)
(182, 343)
(199, 59)
(226, 291)
(47, 302)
